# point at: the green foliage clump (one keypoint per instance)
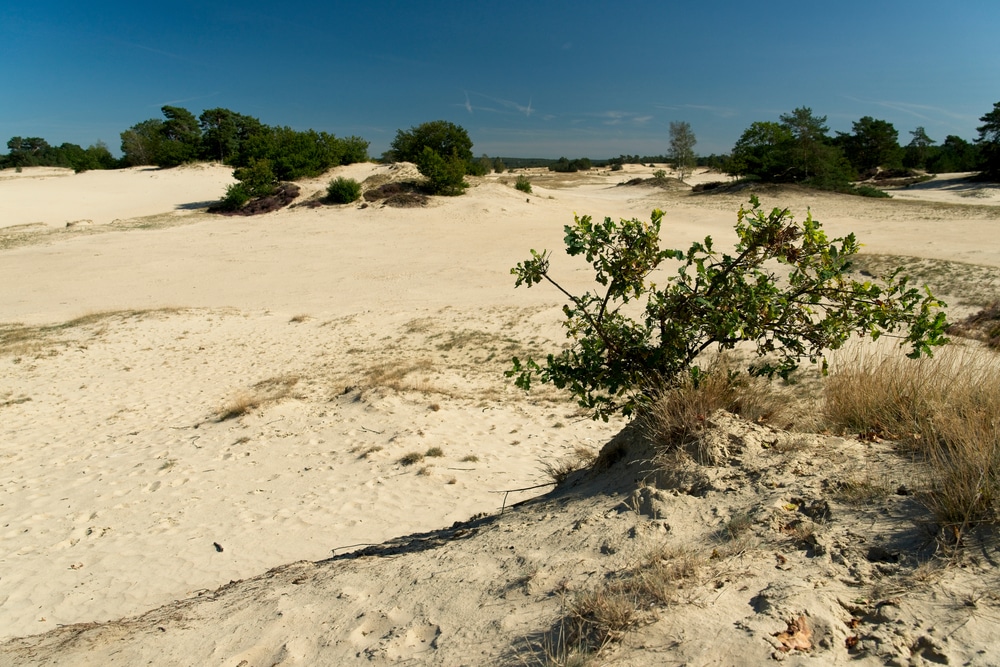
(682, 141)
(445, 176)
(523, 184)
(444, 138)
(564, 165)
(869, 191)
(989, 142)
(715, 300)
(256, 180)
(343, 190)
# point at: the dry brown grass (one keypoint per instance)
(594, 619)
(20, 340)
(265, 392)
(945, 410)
(678, 416)
(562, 469)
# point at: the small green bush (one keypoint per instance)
(869, 191)
(236, 197)
(343, 190)
(715, 300)
(523, 184)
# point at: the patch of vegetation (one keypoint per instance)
(595, 619)
(676, 416)
(944, 410)
(869, 191)
(715, 300)
(397, 195)
(523, 184)
(343, 191)
(411, 458)
(265, 392)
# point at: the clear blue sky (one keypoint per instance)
(525, 78)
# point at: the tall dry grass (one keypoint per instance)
(677, 416)
(945, 410)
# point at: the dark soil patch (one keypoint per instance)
(397, 195)
(983, 326)
(285, 195)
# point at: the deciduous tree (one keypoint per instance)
(681, 152)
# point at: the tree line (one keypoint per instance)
(800, 149)
(217, 135)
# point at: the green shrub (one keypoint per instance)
(236, 197)
(715, 300)
(523, 184)
(660, 175)
(343, 190)
(445, 176)
(869, 191)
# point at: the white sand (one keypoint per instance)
(378, 332)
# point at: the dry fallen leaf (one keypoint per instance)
(796, 637)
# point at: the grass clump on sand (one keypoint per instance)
(677, 416)
(594, 619)
(411, 458)
(945, 410)
(263, 393)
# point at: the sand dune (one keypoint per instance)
(188, 400)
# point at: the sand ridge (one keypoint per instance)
(346, 338)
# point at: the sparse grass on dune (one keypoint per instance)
(594, 619)
(18, 339)
(677, 416)
(971, 284)
(945, 410)
(265, 392)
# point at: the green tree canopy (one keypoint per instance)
(989, 141)
(681, 152)
(444, 138)
(762, 152)
(180, 137)
(806, 152)
(141, 142)
(873, 144)
(916, 152)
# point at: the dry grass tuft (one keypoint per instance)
(265, 392)
(594, 619)
(434, 452)
(411, 458)
(561, 470)
(678, 415)
(946, 410)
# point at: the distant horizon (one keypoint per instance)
(554, 79)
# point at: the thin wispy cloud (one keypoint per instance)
(720, 112)
(508, 106)
(614, 117)
(922, 111)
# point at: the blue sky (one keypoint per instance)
(525, 78)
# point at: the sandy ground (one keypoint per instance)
(188, 400)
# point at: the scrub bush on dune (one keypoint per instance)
(715, 300)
